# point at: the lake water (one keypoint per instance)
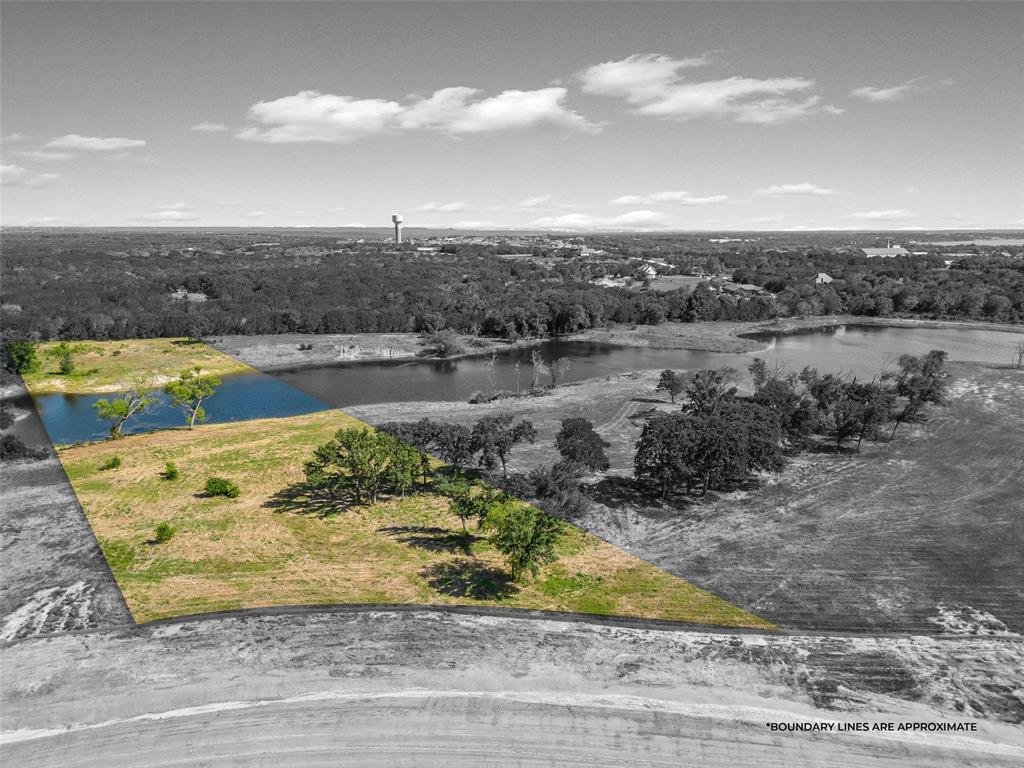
(862, 351)
(71, 418)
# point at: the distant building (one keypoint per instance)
(646, 272)
(885, 253)
(822, 278)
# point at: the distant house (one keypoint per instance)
(822, 278)
(885, 253)
(646, 272)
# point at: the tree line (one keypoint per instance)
(76, 288)
(719, 438)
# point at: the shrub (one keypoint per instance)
(22, 356)
(13, 449)
(218, 486)
(112, 463)
(67, 364)
(164, 532)
(170, 471)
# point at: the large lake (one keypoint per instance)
(862, 351)
(857, 350)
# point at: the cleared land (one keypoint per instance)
(297, 350)
(889, 539)
(111, 366)
(275, 546)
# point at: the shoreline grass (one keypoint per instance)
(110, 366)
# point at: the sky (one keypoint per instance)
(480, 115)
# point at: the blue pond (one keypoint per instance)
(71, 418)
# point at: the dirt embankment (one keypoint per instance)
(303, 350)
(734, 337)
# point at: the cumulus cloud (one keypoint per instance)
(654, 85)
(535, 202)
(311, 116)
(893, 214)
(16, 137)
(896, 92)
(443, 207)
(669, 197)
(641, 219)
(803, 188)
(176, 207)
(15, 176)
(208, 127)
(93, 143)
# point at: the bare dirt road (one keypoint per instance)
(424, 689)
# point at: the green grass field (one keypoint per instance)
(111, 366)
(271, 547)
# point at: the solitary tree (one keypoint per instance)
(189, 391)
(525, 535)
(670, 383)
(357, 460)
(67, 364)
(1019, 353)
(131, 403)
(579, 443)
(494, 436)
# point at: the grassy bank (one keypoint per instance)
(110, 366)
(272, 547)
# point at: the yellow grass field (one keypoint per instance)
(111, 366)
(271, 547)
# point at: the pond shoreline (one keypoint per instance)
(273, 353)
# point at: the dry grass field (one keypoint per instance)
(274, 546)
(110, 366)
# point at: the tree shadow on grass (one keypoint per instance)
(468, 578)
(625, 491)
(432, 539)
(304, 499)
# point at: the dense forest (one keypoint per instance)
(111, 285)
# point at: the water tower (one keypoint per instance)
(398, 219)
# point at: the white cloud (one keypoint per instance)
(535, 202)
(44, 155)
(653, 84)
(311, 116)
(896, 92)
(443, 207)
(768, 219)
(894, 214)
(167, 216)
(803, 188)
(15, 176)
(93, 143)
(16, 137)
(642, 219)
(207, 127)
(672, 196)
(256, 214)
(176, 207)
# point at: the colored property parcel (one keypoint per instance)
(276, 545)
